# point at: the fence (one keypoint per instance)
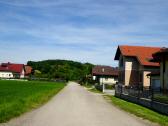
(135, 91)
(148, 97)
(141, 92)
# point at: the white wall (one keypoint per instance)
(22, 74)
(107, 80)
(128, 69)
(6, 74)
(146, 79)
(131, 66)
(94, 78)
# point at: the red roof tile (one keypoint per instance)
(12, 67)
(142, 53)
(105, 70)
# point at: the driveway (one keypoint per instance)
(75, 106)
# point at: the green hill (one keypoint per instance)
(62, 69)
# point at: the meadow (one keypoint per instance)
(17, 97)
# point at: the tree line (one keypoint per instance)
(60, 69)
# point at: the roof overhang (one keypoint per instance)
(154, 74)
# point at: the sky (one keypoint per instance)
(80, 30)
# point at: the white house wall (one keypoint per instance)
(94, 78)
(107, 80)
(22, 75)
(146, 79)
(128, 69)
(6, 74)
(131, 66)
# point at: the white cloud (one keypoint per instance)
(82, 30)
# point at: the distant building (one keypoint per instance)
(28, 70)
(105, 75)
(11, 70)
(134, 65)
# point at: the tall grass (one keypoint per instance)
(17, 97)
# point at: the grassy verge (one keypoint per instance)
(17, 97)
(88, 86)
(92, 88)
(161, 98)
(137, 110)
(140, 111)
(95, 90)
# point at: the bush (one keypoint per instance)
(161, 98)
(110, 87)
(99, 87)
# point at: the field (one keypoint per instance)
(17, 97)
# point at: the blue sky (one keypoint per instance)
(81, 30)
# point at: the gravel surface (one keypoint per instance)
(75, 106)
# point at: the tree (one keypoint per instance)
(62, 69)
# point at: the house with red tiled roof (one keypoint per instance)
(105, 74)
(11, 70)
(134, 64)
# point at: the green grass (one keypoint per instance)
(92, 88)
(161, 98)
(17, 97)
(140, 111)
(88, 85)
(95, 90)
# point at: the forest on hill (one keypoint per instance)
(60, 69)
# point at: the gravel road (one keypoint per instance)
(75, 106)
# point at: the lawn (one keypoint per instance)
(140, 111)
(17, 97)
(161, 98)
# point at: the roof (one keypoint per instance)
(28, 70)
(142, 53)
(10, 67)
(105, 70)
(157, 56)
